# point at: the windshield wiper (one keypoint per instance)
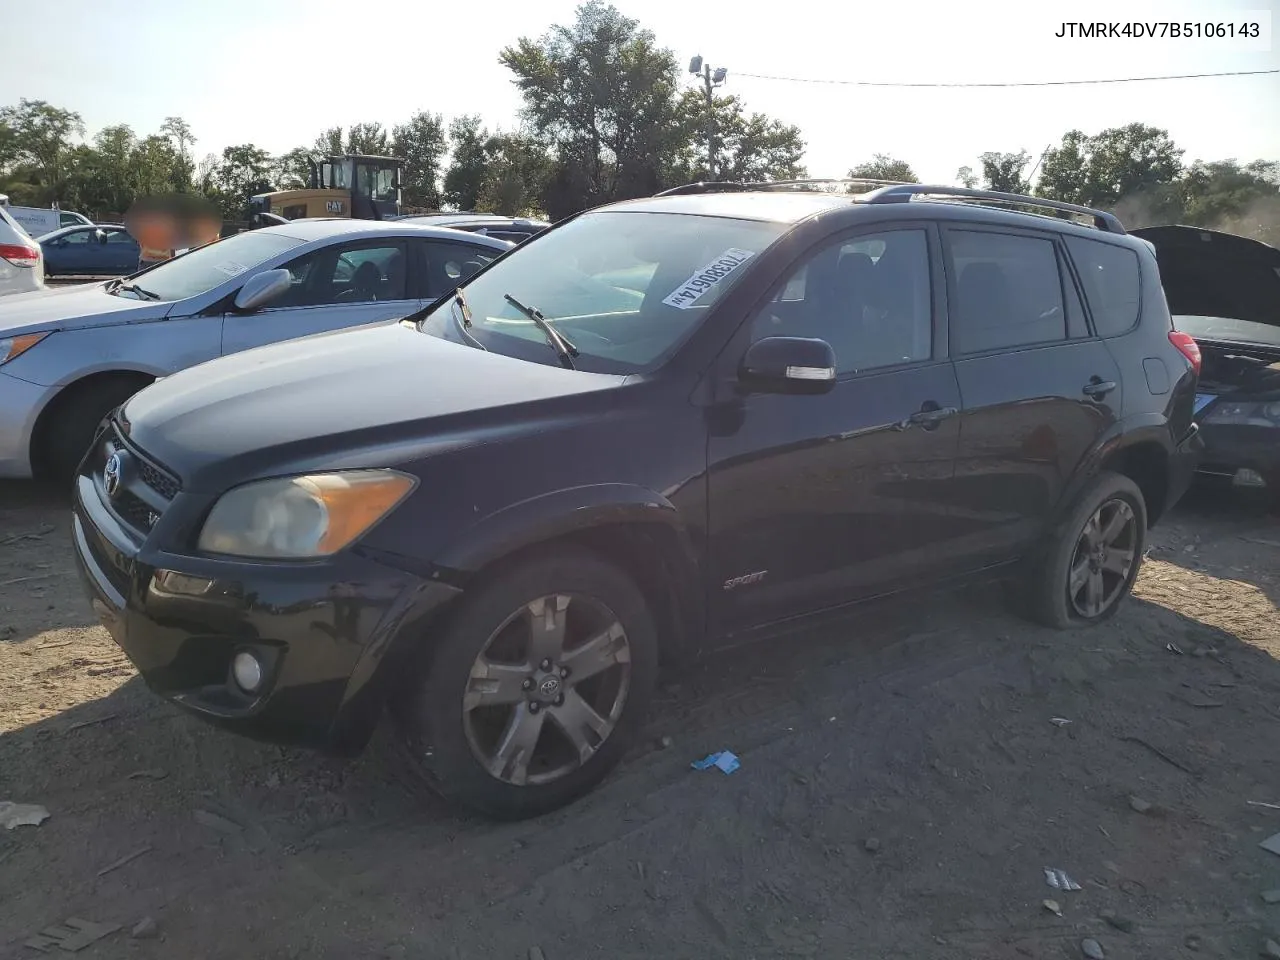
(462, 318)
(564, 349)
(134, 288)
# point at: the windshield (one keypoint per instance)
(209, 266)
(625, 288)
(377, 182)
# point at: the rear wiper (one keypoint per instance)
(559, 342)
(134, 288)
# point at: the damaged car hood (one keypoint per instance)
(1219, 286)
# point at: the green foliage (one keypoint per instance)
(1099, 170)
(884, 167)
(470, 151)
(421, 144)
(519, 168)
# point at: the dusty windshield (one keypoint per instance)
(624, 287)
(203, 269)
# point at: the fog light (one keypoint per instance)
(1248, 478)
(247, 671)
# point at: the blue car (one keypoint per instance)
(104, 250)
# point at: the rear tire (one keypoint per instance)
(509, 720)
(1092, 558)
(69, 427)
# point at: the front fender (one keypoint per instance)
(562, 512)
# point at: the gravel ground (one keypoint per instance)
(906, 779)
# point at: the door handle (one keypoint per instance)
(1097, 388)
(929, 418)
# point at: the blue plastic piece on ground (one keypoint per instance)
(725, 760)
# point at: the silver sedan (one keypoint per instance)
(70, 355)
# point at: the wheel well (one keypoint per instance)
(1147, 465)
(652, 556)
(69, 394)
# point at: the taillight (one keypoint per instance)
(1188, 347)
(19, 254)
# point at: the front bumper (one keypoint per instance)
(1231, 449)
(20, 404)
(328, 634)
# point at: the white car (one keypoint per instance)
(21, 261)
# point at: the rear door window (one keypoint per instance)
(1111, 282)
(1008, 291)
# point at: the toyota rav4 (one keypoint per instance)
(657, 427)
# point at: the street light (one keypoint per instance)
(710, 80)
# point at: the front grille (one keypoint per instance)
(133, 511)
(159, 481)
(143, 491)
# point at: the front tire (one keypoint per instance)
(1093, 557)
(70, 426)
(535, 688)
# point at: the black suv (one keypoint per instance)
(658, 426)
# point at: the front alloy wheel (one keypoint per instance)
(534, 686)
(547, 690)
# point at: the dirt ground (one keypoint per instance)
(905, 781)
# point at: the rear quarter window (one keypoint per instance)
(1109, 274)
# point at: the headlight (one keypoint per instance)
(1247, 414)
(301, 518)
(15, 347)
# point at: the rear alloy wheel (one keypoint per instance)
(1092, 557)
(1104, 556)
(535, 686)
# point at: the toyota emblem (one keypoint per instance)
(550, 687)
(111, 475)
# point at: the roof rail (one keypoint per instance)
(728, 186)
(903, 193)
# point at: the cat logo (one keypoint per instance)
(745, 580)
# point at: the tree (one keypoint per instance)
(468, 162)
(157, 166)
(244, 171)
(518, 170)
(40, 136)
(967, 177)
(420, 143)
(368, 138)
(603, 94)
(292, 170)
(330, 143)
(179, 132)
(103, 178)
(884, 167)
(1004, 171)
(1220, 195)
(747, 147)
(1100, 170)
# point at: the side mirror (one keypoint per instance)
(262, 288)
(788, 365)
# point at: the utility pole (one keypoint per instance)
(710, 80)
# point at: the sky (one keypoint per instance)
(277, 72)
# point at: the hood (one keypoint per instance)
(72, 307)
(325, 399)
(1210, 274)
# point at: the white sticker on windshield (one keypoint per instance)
(230, 268)
(687, 294)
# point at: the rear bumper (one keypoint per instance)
(1183, 464)
(328, 634)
